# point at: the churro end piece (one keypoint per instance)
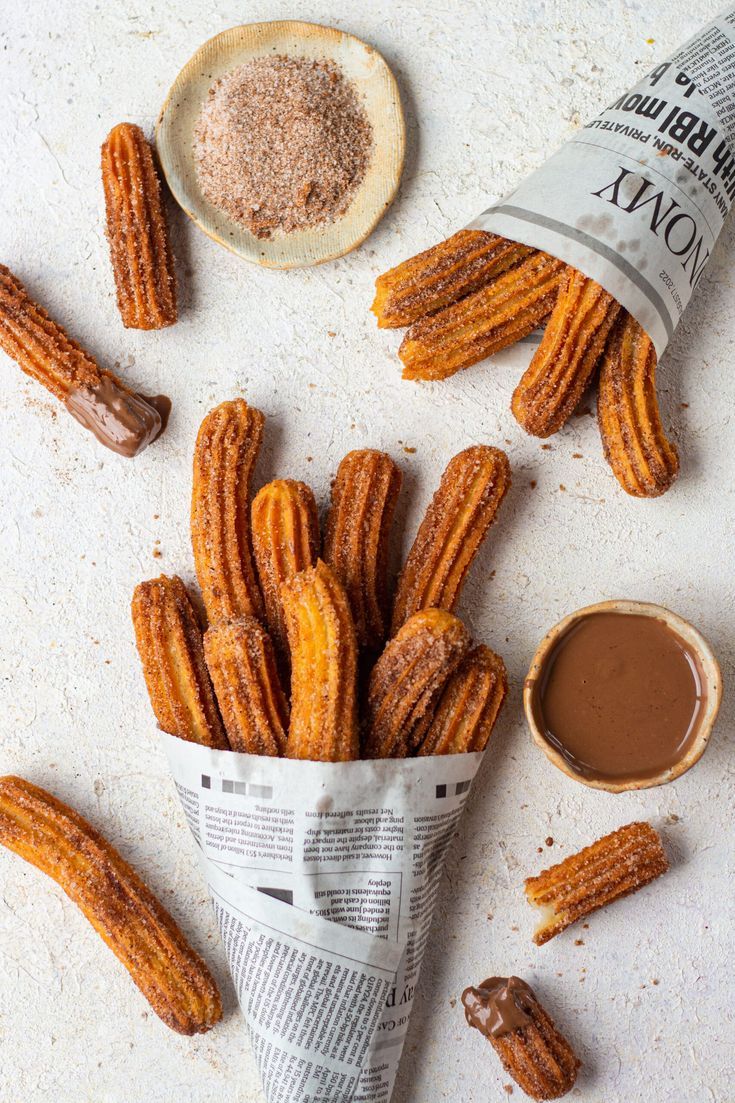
(615, 866)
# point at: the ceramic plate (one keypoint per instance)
(362, 64)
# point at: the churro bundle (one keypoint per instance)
(276, 609)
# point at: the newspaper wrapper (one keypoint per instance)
(637, 199)
(323, 878)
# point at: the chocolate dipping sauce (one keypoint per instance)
(498, 1006)
(620, 696)
(124, 422)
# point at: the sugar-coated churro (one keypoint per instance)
(170, 646)
(364, 496)
(285, 530)
(321, 637)
(498, 315)
(468, 707)
(136, 231)
(643, 460)
(110, 894)
(408, 678)
(242, 664)
(564, 363)
(439, 276)
(456, 522)
(614, 866)
(224, 456)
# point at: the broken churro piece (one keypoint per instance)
(123, 421)
(408, 678)
(644, 462)
(285, 526)
(523, 1035)
(468, 707)
(456, 522)
(321, 637)
(564, 363)
(136, 231)
(170, 647)
(110, 894)
(226, 449)
(509, 308)
(614, 866)
(439, 276)
(242, 664)
(364, 496)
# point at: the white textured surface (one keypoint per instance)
(489, 89)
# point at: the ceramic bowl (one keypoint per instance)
(377, 87)
(712, 686)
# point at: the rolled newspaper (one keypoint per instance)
(637, 198)
(323, 878)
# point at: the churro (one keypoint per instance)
(170, 646)
(563, 365)
(456, 522)
(242, 664)
(226, 448)
(407, 680)
(285, 533)
(498, 315)
(123, 421)
(538, 1057)
(110, 894)
(137, 233)
(321, 637)
(612, 867)
(439, 276)
(468, 707)
(364, 496)
(644, 462)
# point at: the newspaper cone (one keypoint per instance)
(637, 199)
(323, 878)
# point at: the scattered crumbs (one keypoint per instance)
(156, 516)
(157, 553)
(579, 942)
(515, 928)
(508, 441)
(108, 662)
(545, 447)
(94, 641)
(452, 1002)
(309, 459)
(508, 1089)
(650, 41)
(549, 841)
(655, 980)
(577, 456)
(408, 449)
(352, 426)
(490, 916)
(684, 405)
(533, 484)
(539, 850)
(492, 574)
(560, 974)
(561, 486)
(586, 926)
(672, 818)
(331, 333)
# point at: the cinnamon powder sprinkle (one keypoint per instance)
(282, 144)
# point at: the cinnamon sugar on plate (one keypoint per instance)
(282, 144)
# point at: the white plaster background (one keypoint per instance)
(490, 89)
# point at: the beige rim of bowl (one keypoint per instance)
(712, 689)
(362, 64)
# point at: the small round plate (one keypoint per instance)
(361, 64)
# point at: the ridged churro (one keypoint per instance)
(321, 637)
(614, 866)
(456, 522)
(136, 231)
(123, 421)
(407, 680)
(285, 533)
(226, 449)
(364, 496)
(540, 1060)
(170, 646)
(468, 707)
(563, 365)
(644, 462)
(498, 315)
(242, 664)
(110, 894)
(442, 275)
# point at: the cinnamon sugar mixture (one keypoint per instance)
(282, 143)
